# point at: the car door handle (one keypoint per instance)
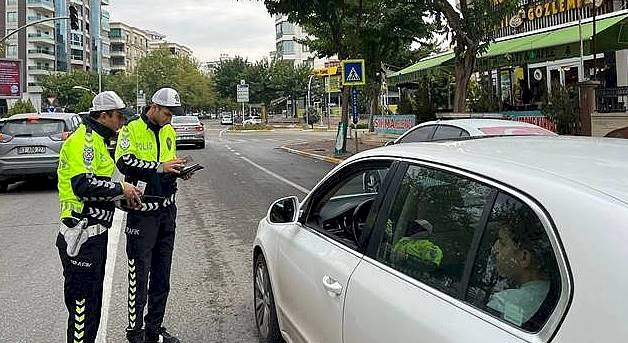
(333, 287)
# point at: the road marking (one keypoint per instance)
(278, 177)
(237, 154)
(112, 252)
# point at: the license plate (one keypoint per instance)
(31, 150)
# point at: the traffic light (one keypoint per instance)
(74, 18)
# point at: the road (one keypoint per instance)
(218, 212)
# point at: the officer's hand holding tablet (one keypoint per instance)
(189, 168)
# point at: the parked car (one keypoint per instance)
(498, 239)
(30, 145)
(189, 130)
(440, 130)
(226, 119)
(252, 121)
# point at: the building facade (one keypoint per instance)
(158, 40)
(287, 47)
(128, 46)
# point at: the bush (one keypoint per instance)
(561, 107)
(22, 107)
(249, 127)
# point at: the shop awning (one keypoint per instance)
(413, 72)
(562, 36)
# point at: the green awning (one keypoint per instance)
(567, 35)
(411, 73)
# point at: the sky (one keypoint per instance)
(208, 27)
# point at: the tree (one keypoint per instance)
(370, 29)
(60, 85)
(21, 106)
(472, 28)
(561, 107)
(228, 75)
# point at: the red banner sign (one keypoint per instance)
(10, 79)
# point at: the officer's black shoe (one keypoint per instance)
(136, 336)
(162, 336)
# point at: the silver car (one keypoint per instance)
(189, 130)
(30, 145)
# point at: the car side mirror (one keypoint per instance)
(284, 211)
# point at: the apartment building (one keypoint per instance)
(157, 40)
(128, 45)
(100, 39)
(287, 46)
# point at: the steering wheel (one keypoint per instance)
(360, 212)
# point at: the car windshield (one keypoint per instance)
(33, 127)
(185, 120)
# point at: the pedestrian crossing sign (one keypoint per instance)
(353, 73)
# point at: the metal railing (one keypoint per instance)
(611, 99)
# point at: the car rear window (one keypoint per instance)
(185, 120)
(33, 127)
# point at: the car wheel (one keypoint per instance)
(264, 302)
(202, 145)
(3, 186)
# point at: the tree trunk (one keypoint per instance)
(346, 98)
(375, 93)
(463, 70)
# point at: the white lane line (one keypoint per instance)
(278, 177)
(237, 153)
(112, 252)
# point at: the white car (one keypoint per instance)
(455, 129)
(499, 239)
(252, 121)
(226, 119)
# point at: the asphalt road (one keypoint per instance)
(211, 281)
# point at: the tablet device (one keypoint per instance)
(190, 169)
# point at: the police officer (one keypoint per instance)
(86, 195)
(146, 154)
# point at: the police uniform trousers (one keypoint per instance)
(149, 247)
(83, 287)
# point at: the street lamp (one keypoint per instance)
(85, 89)
(309, 98)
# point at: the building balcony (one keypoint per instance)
(35, 70)
(45, 5)
(34, 87)
(41, 54)
(77, 60)
(117, 53)
(41, 38)
(48, 24)
(116, 39)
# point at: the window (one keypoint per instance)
(278, 30)
(11, 17)
(12, 51)
(287, 28)
(288, 47)
(430, 227)
(11, 2)
(515, 276)
(421, 134)
(444, 132)
(341, 208)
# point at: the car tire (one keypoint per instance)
(264, 304)
(3, 186)
(202, 145)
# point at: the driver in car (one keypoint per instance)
(518, 253)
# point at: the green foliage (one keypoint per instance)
(22, 107)
(561, 106)
(481, 98)
(60, 85)
(250, 127)
(228, 75)
(84, 103)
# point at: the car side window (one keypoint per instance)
(447, 132)
(430, 227)
(420, 134)
(515, 276)
(342, 208)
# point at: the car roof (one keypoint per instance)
(597, 163)
(475, 124)
(43, 116)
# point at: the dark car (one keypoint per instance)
(189, 130)
(30, 145)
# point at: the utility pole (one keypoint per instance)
(31, 24)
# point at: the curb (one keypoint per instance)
(311, 155)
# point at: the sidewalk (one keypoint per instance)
(324, 150)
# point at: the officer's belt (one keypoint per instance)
(152, 206)
(91, 231)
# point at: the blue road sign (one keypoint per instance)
(354, 105)
(353, 73)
